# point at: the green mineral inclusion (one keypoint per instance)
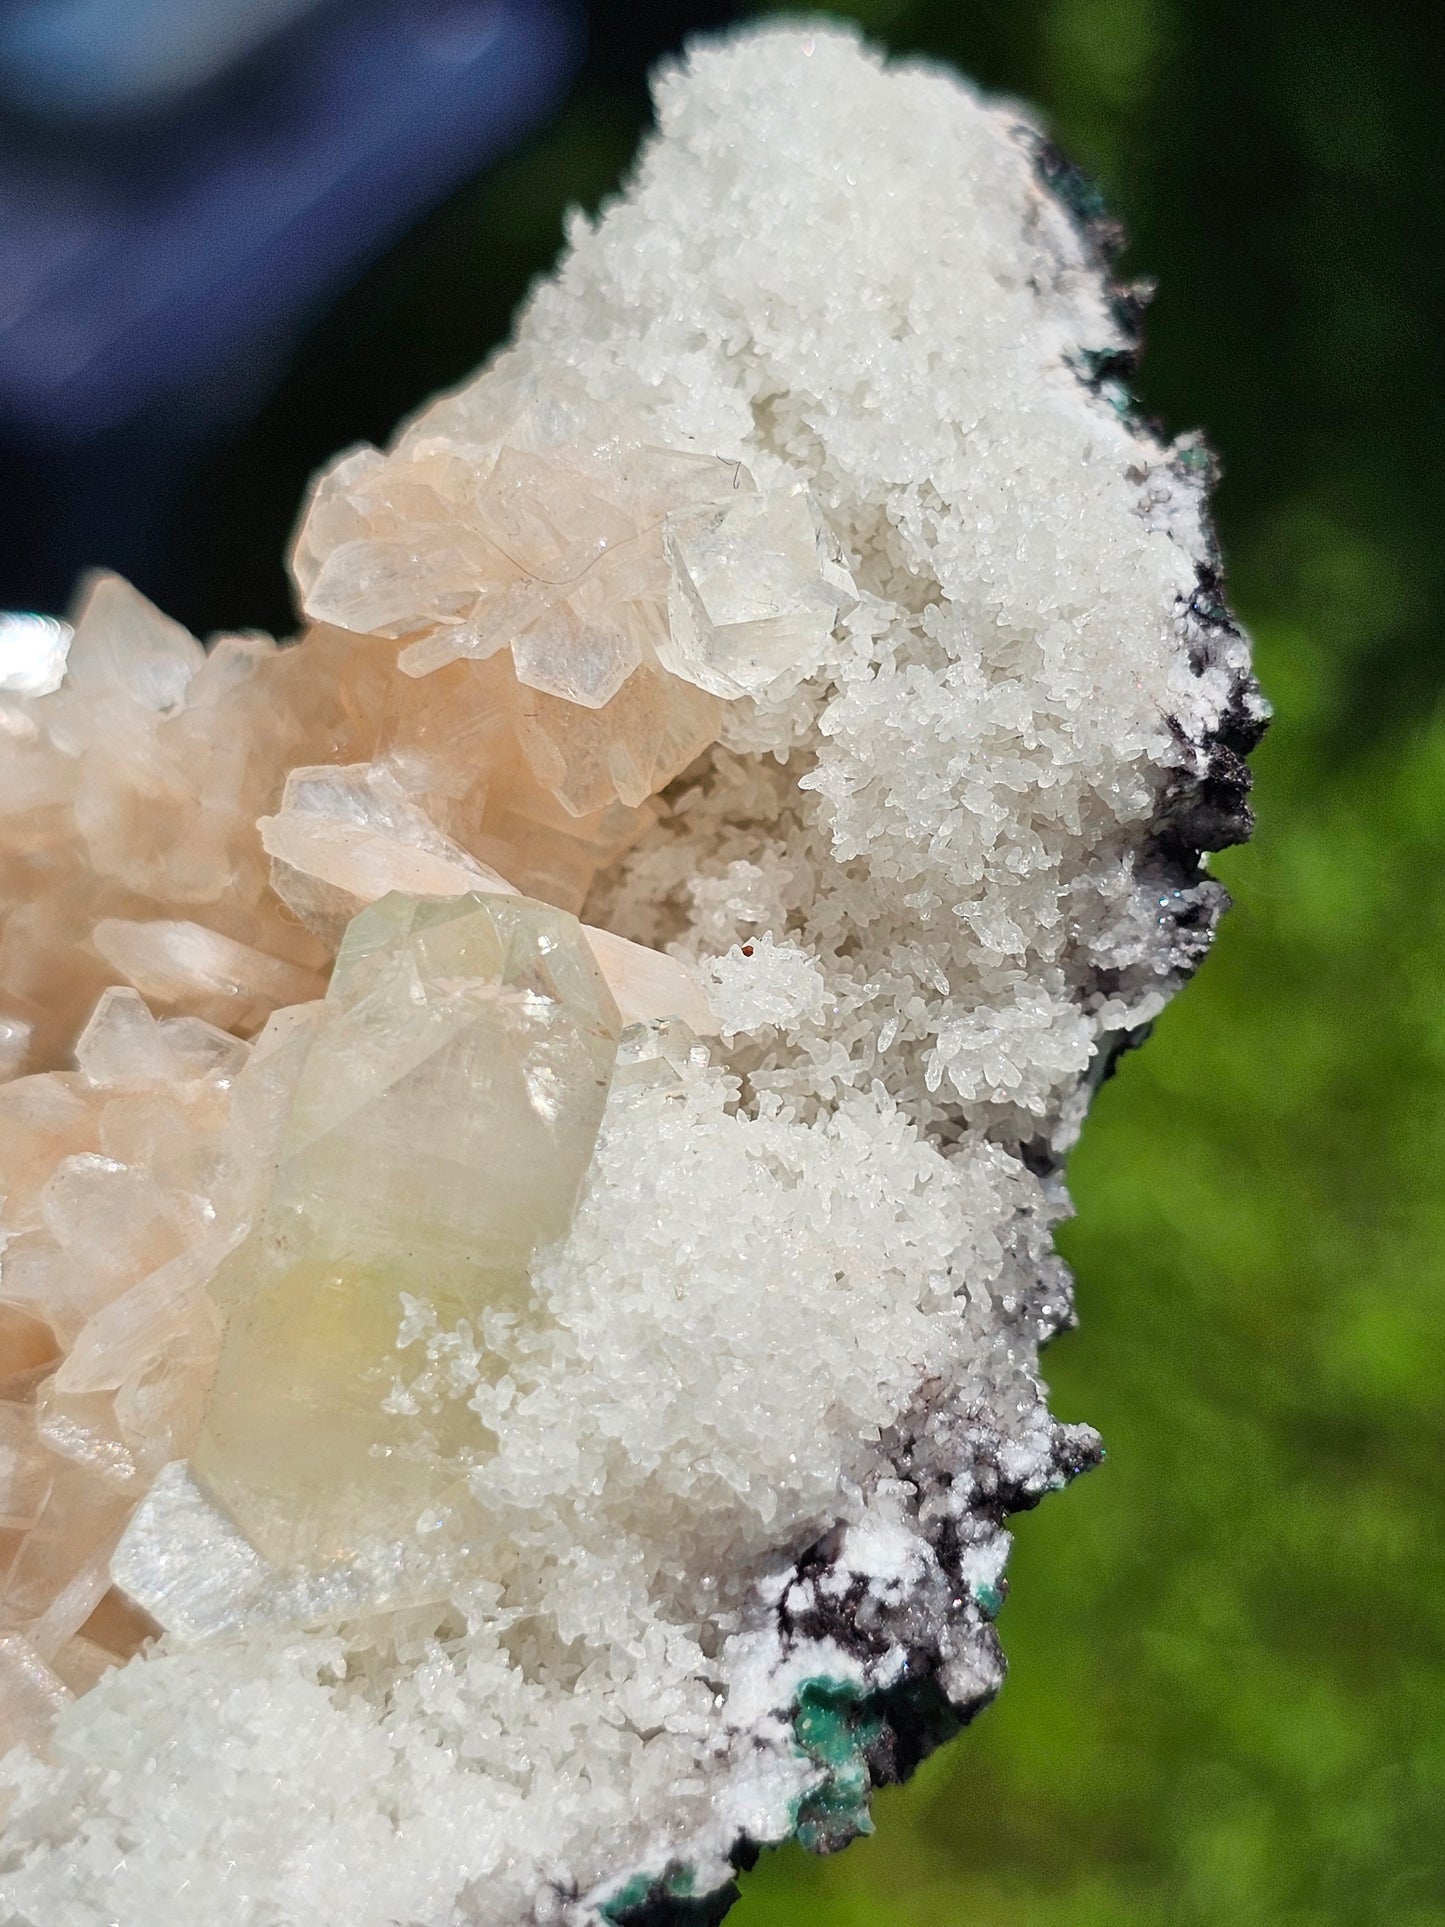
(990, 1599)
(444, 1115)
(834, 1723)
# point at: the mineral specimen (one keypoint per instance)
(540, 1455)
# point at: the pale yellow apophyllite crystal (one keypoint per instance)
(444, 1114)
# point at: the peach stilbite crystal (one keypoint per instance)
(589, 563)
(158, 800)
(345, 837)
(114, 1209)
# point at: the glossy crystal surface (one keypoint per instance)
(441, 1123)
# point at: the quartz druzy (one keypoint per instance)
(520, 1305)
(446, 1106)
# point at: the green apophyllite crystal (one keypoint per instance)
(444, 1116)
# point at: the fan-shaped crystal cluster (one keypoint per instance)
(131, 792)
(114, 1196)
(535, 1110)
(596, 568)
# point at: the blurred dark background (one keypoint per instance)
(1227, 1702)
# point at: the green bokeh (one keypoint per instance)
(1227, 1695)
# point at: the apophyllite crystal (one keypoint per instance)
(536, 1109)
(446, 1104)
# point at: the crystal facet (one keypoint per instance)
(757, 583)
(441, 1123)
(115, 1207)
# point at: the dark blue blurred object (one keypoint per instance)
(184, 183)
(98, 57)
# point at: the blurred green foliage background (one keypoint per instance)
(1227, 1702)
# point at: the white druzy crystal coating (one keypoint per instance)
(782, 1386)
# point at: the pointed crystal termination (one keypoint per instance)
(442, 1122)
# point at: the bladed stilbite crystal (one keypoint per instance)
(112, 1195)
(443, 1118)
(142, 776)
(345, 837)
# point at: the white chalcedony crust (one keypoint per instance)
(784, 1393)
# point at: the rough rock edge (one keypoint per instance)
(873, 1668)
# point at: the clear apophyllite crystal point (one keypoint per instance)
(445, 1109)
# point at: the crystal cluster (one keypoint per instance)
(541, 1455)
(114, 1199)
(200, 824)
(596, 568)
(125, 1183)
